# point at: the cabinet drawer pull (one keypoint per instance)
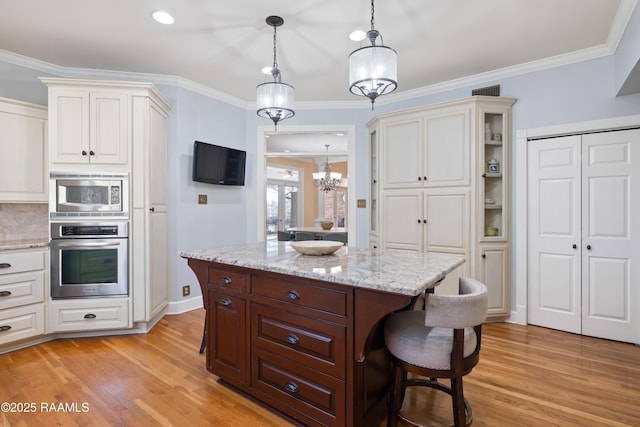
(90, 316)
(293, 295)
(291, 387)
(227, 280)
(5, 293)
(225, 301)
(5, 328)
(5, 265)
(292, 339)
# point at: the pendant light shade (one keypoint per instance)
(274, 100)
(373, 70)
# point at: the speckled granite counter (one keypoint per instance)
(6, 245)
(403, 273)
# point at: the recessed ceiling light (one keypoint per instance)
(357, 35)
(163, 17)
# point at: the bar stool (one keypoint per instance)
(441, 341)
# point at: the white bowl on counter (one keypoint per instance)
(316, 247)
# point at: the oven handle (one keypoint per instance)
(87, 244)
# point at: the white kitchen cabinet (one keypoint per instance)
(149, 230)
(125, 124)
(23, 141)
(23, 278)
(437, 193)
(88, 314)
(87, 124)
(427, 149)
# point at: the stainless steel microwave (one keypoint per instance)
(76, 195)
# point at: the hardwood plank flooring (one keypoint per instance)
(527, 376)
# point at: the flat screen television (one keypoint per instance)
(214, 164)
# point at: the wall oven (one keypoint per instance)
(88, 195)
(89, 259)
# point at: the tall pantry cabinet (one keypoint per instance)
(440, 181)
(100, 127)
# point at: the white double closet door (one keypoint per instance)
(584, 234)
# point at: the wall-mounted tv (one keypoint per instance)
(214, 164)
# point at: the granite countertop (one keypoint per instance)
(6, 245)
(399, 272)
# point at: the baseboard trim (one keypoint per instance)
(179, 307)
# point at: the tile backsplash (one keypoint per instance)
(24, 221)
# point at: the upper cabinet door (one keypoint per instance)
(446, 149)
(88, 127)
(68, 126)
(108, 143)
(402, 153)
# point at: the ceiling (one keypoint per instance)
(223, 46)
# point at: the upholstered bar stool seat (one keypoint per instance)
(441, 341)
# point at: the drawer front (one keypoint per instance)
(19, 262)
(88, 315)
(299, 391)
(315, 343)
(21, 289)
(227, 279)
(305, 295)
(21, 322)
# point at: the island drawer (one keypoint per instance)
(315, 343)
(299, 391)
(227, 279)
(323, 299)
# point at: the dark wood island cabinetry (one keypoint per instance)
(302, 333)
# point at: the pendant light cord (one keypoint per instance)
(372, 11)
(275, 63)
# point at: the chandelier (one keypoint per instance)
(373, 69)
(274, 99)
(326, 180)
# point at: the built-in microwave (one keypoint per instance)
(75, 195)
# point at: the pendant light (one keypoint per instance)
(373, 69)
(326, 180)
(274, 99)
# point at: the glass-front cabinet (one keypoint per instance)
(493, 174)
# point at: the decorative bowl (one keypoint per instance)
(316, 247)
(326, 225)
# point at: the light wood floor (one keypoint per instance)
(527, 376)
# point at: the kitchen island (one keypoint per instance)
(303, 334)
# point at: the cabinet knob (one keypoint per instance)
(91, 153)
(90, 316)
(484, 175)
(291, 387)
(375, 181)
(424, 178)
(484, 255)
(152, 209)
(419, 178)
(5, 265)
(588, 247)
(293, 295)
(575, 246)
(84, 153)
(419, 221)
(292, 339)
(5, 293)
(226, 280)
(5, 328)
(225, 301)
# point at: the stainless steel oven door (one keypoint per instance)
(82, 268)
